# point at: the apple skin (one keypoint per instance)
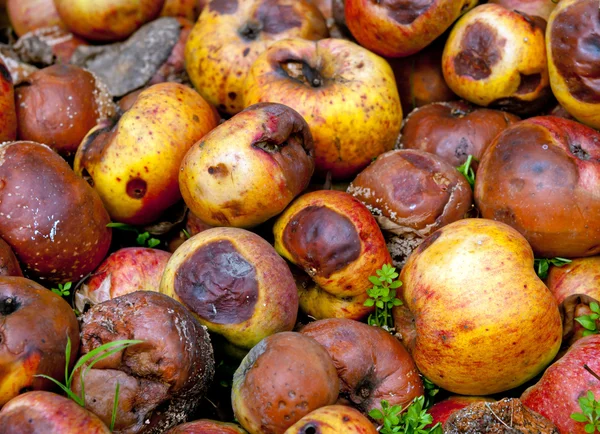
(188, 9)
(8, 114)
(542, 177)
(441, 410)
(62, 43)
(486, 62)
(205, 426)
(249, 168)
(229, 36)
(556, 394)
(35, 326)
(28, 15)
(572, 29)
(41, 412)
(333, 419)
(540, 8)
(346, 94)
(398, 29)
(9, 265)
(467, 269)
(580, 276)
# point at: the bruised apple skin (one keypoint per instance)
(541, 176)
(35, 324)
(540, 8)
(162, 379)
(41, 412)
(234, 282)
(107, 21)
(371, 363)
(453, 130)
(206, 426)
(134, 163)
(346, 94)
(28, 15)
(52, 219)
(127, 270)
(8, 115)
(9, 265)
(58, 105)
(229, 36)
(467, 269)
(495, 57)
(249, 168)
(571, 39)
(282, 379)
(333, 419)
(398, 28)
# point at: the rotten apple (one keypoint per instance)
(441, 410)
(28, 15)
(188, 9)
(206, 426)
(540, 8)
(333, 419)
(9, 265)
(8, 115)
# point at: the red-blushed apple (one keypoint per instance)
(28, 15)
(580, 276)
(9, 265)
(346, 94)
(333, 419)
(496, 58)
(229, 36)
(8, 115)
(206, 426)
(540, 8)
(398, 29)
(542, 177)
(441, 410)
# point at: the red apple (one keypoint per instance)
(28, 15)
(8, 116)
(441, 410)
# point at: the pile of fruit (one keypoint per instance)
(299, 216)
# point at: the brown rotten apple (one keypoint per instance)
(9, 265)
(542, 176)
(441, 410)
(35, 324)
(497, 57)
(333, 419)
(249, 168)
(230, 34)
(453, 286)
(399, 28)
(52, 219)
(347, 94)
(8, 116)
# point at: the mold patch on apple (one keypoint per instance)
(481, 50)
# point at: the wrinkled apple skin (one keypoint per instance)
(555, 396)
(467, 269)
(9, 265)
(229, 36)
(235, 284)
(205, 426)
(572, 59)
(107, 21)
(282, 379)
(441, 410)
(347, 95)
(35, 324)
(540, 8)
(8, 116)
(333, 419)
(249, 168)
(41, 412)
(134, 164)
(580, 276)
(497, 57)
(62, 43)
(542, 177)
(399, 28)
(28, 15)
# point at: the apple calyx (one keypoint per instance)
(250, 30)
(303, 72)
(9, 305)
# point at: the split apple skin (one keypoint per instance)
(333, 419)
(41, 412)
(28, 15)
(346, 94)
(235, 284)
(229, 36)
(473, 303)
(134, 163)
(495, 57)
(8, 115)
(249, 168)
(395, 28)
(206, 426)
(542, 177)
(36, 324)
(572, 59)
(52, 219)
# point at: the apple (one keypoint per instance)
(541, 176)
(452, 286)
(206, 426)
(346, 94)
(28, 15)
(230, 34)
(333, 419)
(9, 265)
(441, 410)
(540, 8)
(8, 116)
(398, 29)
(580, 276)
(55, 39)
(188, 9)
(496, 58)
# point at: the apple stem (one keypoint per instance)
(587, 368)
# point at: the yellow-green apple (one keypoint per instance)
(9, 265)
(571, 41)
(400, 28)
(205, 426)
(28, 15)
(235, 284)
(36, 324)
(540, 8)
(333, 419)
(441, 410)
(282, 379)
(556, 395)
(8, 116)
(229, 36)
(495, 57)
(51, 218)
(347, 94)
(467, 269)
(541, 176)
(133, 163)
(107, 21)
(249, 168)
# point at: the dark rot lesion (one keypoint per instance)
(277, 18)
(405, 12)
(321, 240)
(136, 188)
(218, 283)
(481, 50)
(224, 7)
